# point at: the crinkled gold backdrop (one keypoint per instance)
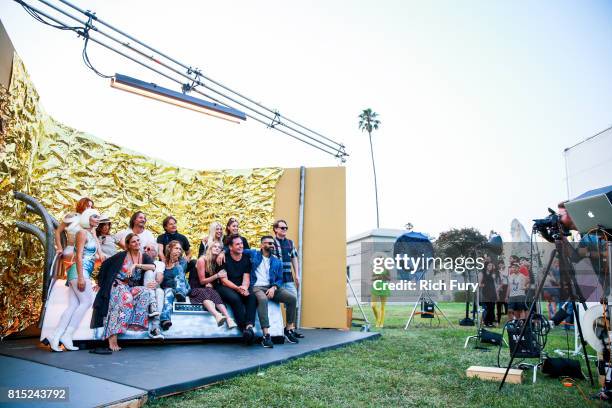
(58, 165)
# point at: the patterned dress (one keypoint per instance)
(128, 305)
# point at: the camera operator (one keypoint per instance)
(590, 245)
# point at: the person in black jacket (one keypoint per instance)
(122, 300)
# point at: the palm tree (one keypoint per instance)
(368, 121)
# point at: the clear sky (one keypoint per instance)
(477, 99)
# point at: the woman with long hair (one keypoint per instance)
(215, 234)
(123, 300)
(202, 285)
(501, 285)
(488, 295)
(232, 228)
(174, 283)
(81, 295)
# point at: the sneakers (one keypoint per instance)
(166, 324)
(248, 336)
(153, 309)
(299, 335)
(156, 334)
(266, 341)
(290, 337)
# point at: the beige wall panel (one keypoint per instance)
(324, 275)
(324, 291)
(287, 202)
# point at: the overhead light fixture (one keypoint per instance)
(159, 93)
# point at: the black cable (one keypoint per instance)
(81, 31)
(85, 34)
(40, 19)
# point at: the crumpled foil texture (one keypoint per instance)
(58, 165)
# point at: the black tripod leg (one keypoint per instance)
(584, 345)
(529, 317)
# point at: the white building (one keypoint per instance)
(356, 246)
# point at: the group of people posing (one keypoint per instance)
(140, 277)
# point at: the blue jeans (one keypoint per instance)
(168, 302)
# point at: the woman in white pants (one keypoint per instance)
(78, 280)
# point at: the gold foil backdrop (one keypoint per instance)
(58, 165)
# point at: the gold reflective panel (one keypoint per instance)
(58, 165)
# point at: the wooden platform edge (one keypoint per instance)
(515, 376)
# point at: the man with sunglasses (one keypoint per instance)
(286, 252)
(266, 282)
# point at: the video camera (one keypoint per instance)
(550, 227)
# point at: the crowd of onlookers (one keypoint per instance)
(141, 276)
(505, 290)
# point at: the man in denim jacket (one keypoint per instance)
(266, 284)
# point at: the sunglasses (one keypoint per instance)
(283, 228)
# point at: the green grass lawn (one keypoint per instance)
(423, 366)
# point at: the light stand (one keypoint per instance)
(466, 321)
(478, 323)
(364, 327)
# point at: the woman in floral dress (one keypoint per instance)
(122, 301)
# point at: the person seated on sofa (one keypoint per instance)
(234, 288)
(203, 282)
(122, 301)
(152, 281)
(174, 283)
(266, 282)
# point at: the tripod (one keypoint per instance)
(424, 296)
(567, 268)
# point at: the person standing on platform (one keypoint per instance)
(171, 234)
(68, 251)
(81, 295)
(138, 221)
(286, 252)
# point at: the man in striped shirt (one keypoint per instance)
(286, 252)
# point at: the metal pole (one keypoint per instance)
(301, 243)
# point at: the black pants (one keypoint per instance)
(489, 312)
(244, 307)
